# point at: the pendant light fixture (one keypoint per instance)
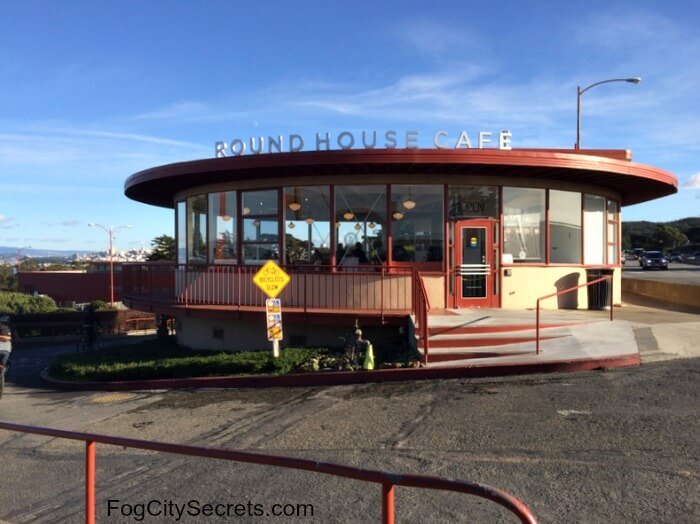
(398, 215)
(408, 203)
(295, 206)
(348, 215)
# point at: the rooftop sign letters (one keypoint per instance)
(294, 143)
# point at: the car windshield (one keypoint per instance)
(654, 255)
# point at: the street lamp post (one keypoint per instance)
(579, 92)
(19, 260)
(110, 231)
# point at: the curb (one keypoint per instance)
(337, 378)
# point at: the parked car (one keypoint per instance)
(674, 256)
(693, 258)
(654, 259)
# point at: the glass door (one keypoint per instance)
(475, 272)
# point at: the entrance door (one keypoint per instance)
(476, 257)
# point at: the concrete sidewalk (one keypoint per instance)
(662, 331)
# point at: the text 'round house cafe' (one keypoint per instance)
(372, 228)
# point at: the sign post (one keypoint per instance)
(273, 310)
(272, 279)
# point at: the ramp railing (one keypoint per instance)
(563, 292)
(387, 481)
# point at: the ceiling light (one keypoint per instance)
(372, 225)
(398, 215)
(295, 206)
(409, 204)
(309, 220)
(358, 227)
(226, 218)
(348, 215)
(291, 225)
(245, 211)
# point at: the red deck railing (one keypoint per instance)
(388, 481)
(563, 292)
(378, 289)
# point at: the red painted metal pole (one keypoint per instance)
(387, 503)
(89, 482)
(111, 269)
(612, 304)
(537, 329)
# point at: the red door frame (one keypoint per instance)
(491, 298)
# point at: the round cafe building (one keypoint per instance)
(381, 236)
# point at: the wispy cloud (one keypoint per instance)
(693, 182)
(7, 222)
(434, 38)
(71, 223)
(192, 112)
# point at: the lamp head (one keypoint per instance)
(633, 80)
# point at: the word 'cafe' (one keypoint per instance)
(366, 140)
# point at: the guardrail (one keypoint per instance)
(563, 292)
(388, 481)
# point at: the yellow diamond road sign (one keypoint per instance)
(271, 279)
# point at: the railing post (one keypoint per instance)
(612, 304)
(387, 503)
(537, 329)
(89, 482)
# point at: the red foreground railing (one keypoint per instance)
(563, 292)
(388, 481)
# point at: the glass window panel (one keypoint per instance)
(259, 203)
(523, 223)
(260, 230)
(417, 223)
(260, 226)
(612, 254)
(222, 227)
(197, 229)
(612, 210)
(564, 227)
(593, 229)
(473, 202)
(612, 232)
(182, 232)
(307, 226)
(361, 224)
(260, 253)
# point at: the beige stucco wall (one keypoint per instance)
(526, 284)
(435, 288)
(250, 334)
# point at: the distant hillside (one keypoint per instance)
(639, 233)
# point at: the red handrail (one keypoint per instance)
(562, 292)
(421, 306)
(388, 481)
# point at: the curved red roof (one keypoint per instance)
(634, 182)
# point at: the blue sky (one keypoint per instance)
(91, 92)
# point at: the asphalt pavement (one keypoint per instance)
(676, 272)
(618, 445)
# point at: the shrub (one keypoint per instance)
(14, 303)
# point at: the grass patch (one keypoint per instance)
(151, 360)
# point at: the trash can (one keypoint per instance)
(599, 293)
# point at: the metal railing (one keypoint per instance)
(388, 481)
(563, 292)
(379, 289)
(421, 306)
